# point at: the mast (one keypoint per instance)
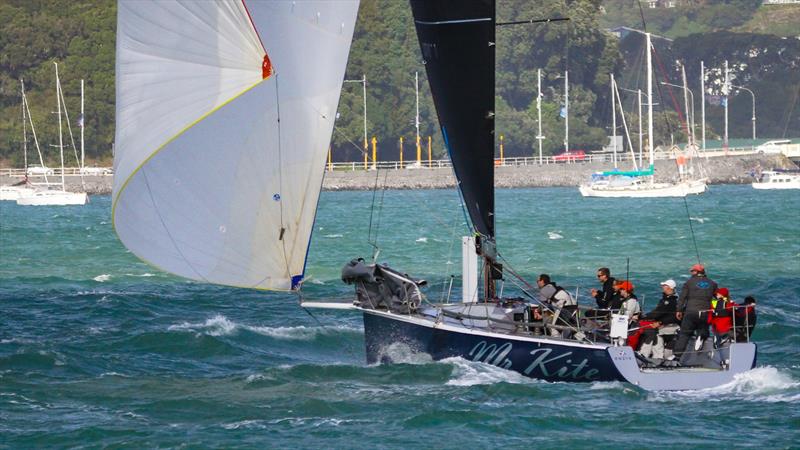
(83, 118)
(703, 103)
(725, 90)
(33, 132)
(689, 113)
(566, 111)
(24, 129)
(60, 139)
(614, 120)
(539, 136)
(641, 134)
(649, 99)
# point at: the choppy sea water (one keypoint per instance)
(98, 349)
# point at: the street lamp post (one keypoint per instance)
(754, 107)
(690, 119)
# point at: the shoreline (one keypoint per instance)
(732, 169)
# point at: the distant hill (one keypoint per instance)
(80, 35)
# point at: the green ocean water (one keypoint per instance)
(98, 349)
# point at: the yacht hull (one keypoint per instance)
(391, 337)
(54, 198)
(645, 190)
(394, 338)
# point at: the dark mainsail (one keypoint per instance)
(457, 42)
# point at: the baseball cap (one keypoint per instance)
(699, 268)
(670, 283)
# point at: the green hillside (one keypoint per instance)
(79, 35)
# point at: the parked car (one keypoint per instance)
(96, 171)
(39, 170)
(572, 155)
(773, 146)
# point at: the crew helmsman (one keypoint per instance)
(693, 305)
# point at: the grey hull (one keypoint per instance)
(742, 359)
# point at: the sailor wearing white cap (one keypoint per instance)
(664, 322)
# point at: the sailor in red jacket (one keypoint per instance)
(721, 317)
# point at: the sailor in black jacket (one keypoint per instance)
(663, 315)
(604, 297)
(693, 305)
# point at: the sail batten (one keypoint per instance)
(214, 157)
(457, 43)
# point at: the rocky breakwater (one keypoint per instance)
(720, 170)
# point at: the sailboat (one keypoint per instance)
(641, 183)
(224, 115)
(55, 197)
(23, 187)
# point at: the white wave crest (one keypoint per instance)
(401, 353)
(762, 384)
(333, 236)
(699, 219)
(219, 325)
(554, 235)
(422, 239)
(102, 278)
(470, 373)
(300, 333)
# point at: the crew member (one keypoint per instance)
(603, 297)
(693, 305)
(659, 322)
(745, 320)
(557, 298)
(721, 318)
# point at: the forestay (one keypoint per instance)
(224, 115)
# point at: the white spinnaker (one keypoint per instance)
(218, 172)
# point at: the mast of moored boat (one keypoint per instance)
(650, 103)
(24, 131)
(614, 121)
(60, 138)
(33, 132)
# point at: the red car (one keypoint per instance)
(573, 155)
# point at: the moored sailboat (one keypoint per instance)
(55, 197)
(641, 183)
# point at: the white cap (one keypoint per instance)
(670, 283)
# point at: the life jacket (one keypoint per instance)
(553, 300)
(721, 323)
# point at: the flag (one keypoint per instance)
(563, 112)
(724, 102)
(80, 120)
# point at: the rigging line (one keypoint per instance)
(372, 208)
(380, 213)
(347, 348)
(532, 21)
(357, 147)
(691, 229)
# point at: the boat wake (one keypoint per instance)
(763, 384)
(220, 325)
(470, 373)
